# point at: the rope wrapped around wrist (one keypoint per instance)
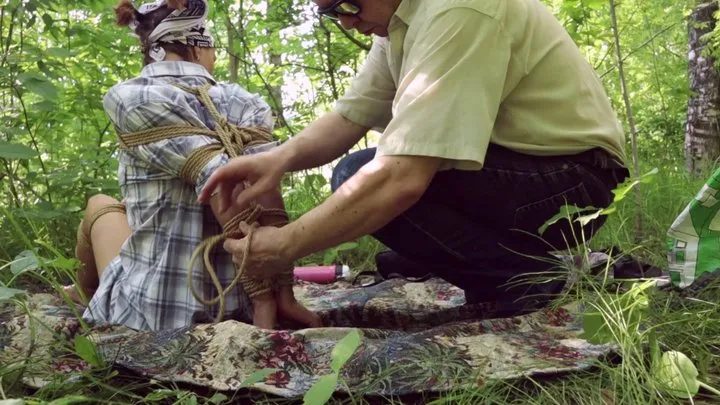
(253, 286)
(234, 140)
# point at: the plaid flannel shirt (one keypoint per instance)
(145, 287)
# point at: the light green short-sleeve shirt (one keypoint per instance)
(455, 75)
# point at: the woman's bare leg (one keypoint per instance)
(107, 235)
(264, 311)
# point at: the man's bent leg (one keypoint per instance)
(478, 229)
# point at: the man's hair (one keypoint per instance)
(126, 13)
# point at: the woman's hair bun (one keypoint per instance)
(125, 13)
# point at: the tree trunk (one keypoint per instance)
(232, 50)
(275, 59)
(702, 135)
(631, 120)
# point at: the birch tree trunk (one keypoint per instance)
(702, 135)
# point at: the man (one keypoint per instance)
(492, 121)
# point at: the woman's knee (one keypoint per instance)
(349, 165)
(98, 202)
(94, 205)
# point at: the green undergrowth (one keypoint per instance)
(646, 325)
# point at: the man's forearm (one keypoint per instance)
(368, 201)
(321, 142)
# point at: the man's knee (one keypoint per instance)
(349, 165)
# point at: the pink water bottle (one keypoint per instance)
(322, 274)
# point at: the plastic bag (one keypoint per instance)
(694, 237)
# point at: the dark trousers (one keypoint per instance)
(479, 229)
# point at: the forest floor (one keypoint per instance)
(637, 322)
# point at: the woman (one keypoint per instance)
(135, 264)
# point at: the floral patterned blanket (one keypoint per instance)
(415, 337)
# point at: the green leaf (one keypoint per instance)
(64, 263)
(677, 375)
(6, 293)
(59, 52)
(190, 399)
(24, 261)
(159, 395)
(48, 20)
(595, 330)
(347, 246)
(72, 399)
(44, 106)
(38, 84)
(594, 4)
(566, 212)
(344, 349)
(329, 257)
(258, 376)
(87, 351)
(12, 402)
(16, 151)
(218, 398)
(621, 192)
(321, 391)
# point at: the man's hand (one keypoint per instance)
(268, 249)
(264, 172)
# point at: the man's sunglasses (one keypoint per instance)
(338, 8)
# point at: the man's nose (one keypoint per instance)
(348, 21)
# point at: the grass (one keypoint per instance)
(689, 325)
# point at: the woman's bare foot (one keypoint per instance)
(290, 308)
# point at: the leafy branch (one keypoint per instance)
(351, 37)
(28, 127)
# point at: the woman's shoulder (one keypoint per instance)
(245, 107)
(142, 90)
(138, 103)
(236, 92)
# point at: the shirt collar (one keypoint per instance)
(403, 15)
(177, 69)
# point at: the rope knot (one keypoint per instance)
(234, 140)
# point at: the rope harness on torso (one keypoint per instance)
(234, 140)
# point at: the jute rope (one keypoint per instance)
(85, 229)
(234, 141)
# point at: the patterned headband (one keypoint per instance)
(186, 27)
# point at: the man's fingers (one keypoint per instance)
(234, 247)
(225, 197)
(249, 194)
(244, 227)
(209, 188)
(233, 172)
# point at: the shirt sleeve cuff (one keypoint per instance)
(214, 164)
(360, 117)
(470, 157)
(223, 159)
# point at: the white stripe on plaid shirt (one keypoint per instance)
(145, 287)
